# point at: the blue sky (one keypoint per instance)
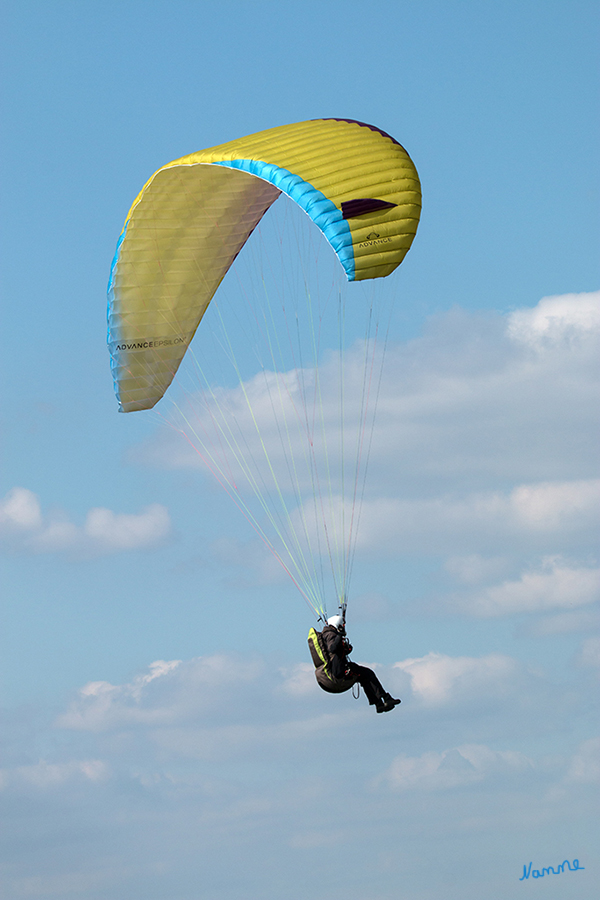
(164, 735)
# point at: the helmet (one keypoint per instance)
(337, 622)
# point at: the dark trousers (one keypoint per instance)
(369, 682)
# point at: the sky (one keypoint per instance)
(163, 735)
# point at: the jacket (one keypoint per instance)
(338, 649)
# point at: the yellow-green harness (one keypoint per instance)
(320, 658)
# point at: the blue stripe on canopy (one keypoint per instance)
(321, 210)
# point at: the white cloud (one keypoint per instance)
(45, 775)
(193, 765)
(556, 318)
(530, 511)
(172, 694)
(224, 706)
(175, 698)
(466, 402)
(556, 505)
(554, 585)
(483, 451)
(119, 531)
(102, 705)
(178, 707)
(23, 528)
(437, 679)
(299, 680)
(460, 766)
(19, 512)
(585, 765)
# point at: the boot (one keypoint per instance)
(387, 703)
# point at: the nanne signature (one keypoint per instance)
(549, 869)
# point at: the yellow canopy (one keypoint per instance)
(194, 215)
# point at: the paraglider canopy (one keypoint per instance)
(194, 215)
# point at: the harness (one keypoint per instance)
(322, 660)
(318, 651)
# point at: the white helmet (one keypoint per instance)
(336, 621)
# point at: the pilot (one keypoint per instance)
(335, 673)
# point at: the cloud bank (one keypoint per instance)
(25, 529)
(220, 764)
(483, 455)
(477, 397)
